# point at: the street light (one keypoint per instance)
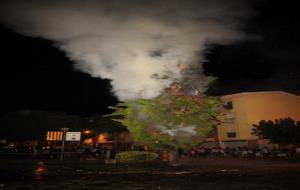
(64, 130)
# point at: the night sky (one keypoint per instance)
(35, 75)
(38, 76)
(271, 63)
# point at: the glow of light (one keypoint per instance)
(88, 141)
(102, 138)
(87, 132)
(40, 169)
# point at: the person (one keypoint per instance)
(201, 152)
(107, 154)
(228, 151)
(257, 153)
(180, 152)
(250, 152)
(297, 151)
(221, 151)
(282, 153)
(113, 153)
(244, 152)
(237, 151)
(192, 152)
(265, 151)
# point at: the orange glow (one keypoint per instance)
(40, 169)
(102, 138)
(86, 132)
(88, 141)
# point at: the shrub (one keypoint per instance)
(135, 156)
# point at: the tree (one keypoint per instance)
(280, 131)
(168, 121)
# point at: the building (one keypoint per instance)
(242, 110)
(119, 141)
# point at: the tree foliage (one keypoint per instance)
(169, 121)
(280, 131)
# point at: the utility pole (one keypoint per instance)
(64, 130)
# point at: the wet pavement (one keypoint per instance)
(208, 173)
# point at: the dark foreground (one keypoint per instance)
(197, 173)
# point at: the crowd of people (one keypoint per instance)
(264, 152)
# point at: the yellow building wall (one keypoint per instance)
(251, 107)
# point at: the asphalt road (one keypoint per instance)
(191, 174)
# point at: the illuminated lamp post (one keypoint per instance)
(64, 130)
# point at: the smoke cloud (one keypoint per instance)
(137, 44)
(178, 130)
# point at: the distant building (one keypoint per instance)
(242, 110)
(119, 141)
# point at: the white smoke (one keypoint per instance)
(178, 130)
(129, 41)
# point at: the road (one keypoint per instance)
(191, 174)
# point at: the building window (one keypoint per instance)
(231, 134)
(228, 105)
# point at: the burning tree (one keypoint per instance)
(169, 121)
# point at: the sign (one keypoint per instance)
(73, 136)
(54, 136)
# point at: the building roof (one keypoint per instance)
(261, 92)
